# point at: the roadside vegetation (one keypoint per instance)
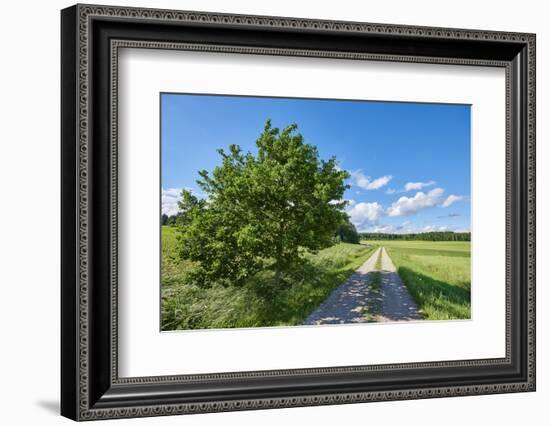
(375, 294)
(188, 306)
(436, 273)
(377, 275)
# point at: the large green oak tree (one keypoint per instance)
(261, 211)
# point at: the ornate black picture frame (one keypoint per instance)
(91, 36)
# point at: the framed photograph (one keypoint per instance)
(263, 212)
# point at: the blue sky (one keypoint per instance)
(409, 162)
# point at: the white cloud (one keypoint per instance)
(412, 186)
(360, 179)
(349, 202)
(451, 199)
(170, 198)
(379, 182)
(386, 229)
(361, 214)
(365, 182)
(409, 205)
(389, 229)
(433, 228)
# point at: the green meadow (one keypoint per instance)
(436, 273)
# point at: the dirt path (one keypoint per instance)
(356, 301)
(396, 303)
(348, 303)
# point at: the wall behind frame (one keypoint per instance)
(30, 226)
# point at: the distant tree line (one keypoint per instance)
(346, 232)
(424, 236)
(169, 220)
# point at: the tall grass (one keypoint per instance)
(186, 306)
(437, 274)
(376, 274)
(374, 302)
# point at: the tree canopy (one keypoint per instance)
(346, 232)
(261, 210)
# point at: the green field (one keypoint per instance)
(186, 306)
(436, 273)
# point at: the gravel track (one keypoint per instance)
(396, 302)
(348, 303)
(355, 301)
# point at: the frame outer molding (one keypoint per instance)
(76, 402)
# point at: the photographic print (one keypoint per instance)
(307, 212)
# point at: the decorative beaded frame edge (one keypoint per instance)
(85, 13)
